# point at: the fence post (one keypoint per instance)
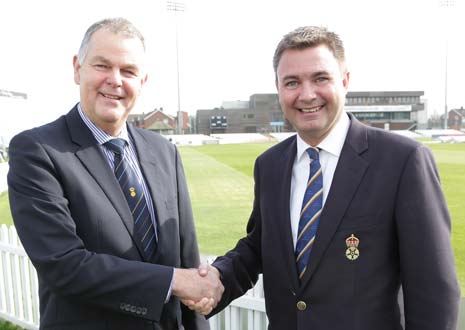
(8, 284)
(16, 275)
(19, 299)
(3, 305)
(461, 323)
(35, 290)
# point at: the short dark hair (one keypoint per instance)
(306, 37)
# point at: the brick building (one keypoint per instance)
(455, 119)
(159, 122)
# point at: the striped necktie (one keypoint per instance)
(310, 213)
(134, 193)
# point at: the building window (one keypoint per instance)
(276, 117)
(400, 115)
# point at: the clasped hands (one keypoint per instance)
(199, 289)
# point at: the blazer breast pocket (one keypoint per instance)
(362, 221)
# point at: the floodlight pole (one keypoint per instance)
(446, 4)
(446, 114)
(177, 7)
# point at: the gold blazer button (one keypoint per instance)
(301, 305)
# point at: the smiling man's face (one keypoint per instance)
(111, 78)
(312, 86)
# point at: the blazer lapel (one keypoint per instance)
(94, 161)
(349, 173)
(283, 230)
(152, 173)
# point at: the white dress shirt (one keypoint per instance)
(330, 149)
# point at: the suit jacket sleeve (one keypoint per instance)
(431, 292)
(44, 222)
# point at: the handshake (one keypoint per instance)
(199, 289)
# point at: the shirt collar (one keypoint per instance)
(100, 135)
(332, 143)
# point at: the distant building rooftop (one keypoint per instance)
(235, 104)
(385, 93)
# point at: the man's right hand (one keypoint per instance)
(199, 289)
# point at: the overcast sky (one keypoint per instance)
(226, 49)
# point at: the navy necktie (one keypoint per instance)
(134, 193)
(310, 213)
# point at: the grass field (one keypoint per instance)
(221, 187)
(5, 214)
(451, 164)
(5, 325)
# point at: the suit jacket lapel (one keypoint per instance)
(349, 173)
(152, 175)
(284, 232)
(94, 161)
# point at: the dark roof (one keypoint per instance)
(460, 112)
(150, 114)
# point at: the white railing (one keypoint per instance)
(246, 312)
(19, 300)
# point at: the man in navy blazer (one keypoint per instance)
(384, 222)
(74, 220)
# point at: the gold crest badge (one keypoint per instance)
(352, 251)
(132, 191)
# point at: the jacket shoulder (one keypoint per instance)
(389, 139)
(50, 132)
(283, 148)
(361, 138)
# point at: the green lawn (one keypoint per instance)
(221, 187)
(5, 325)
(451, 164)
(221, 197)
(5, 214)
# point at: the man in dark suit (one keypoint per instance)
(376, 221)
(102, 208)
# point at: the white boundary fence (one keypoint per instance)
(246, 312)
(19, 300)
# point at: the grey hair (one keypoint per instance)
(307, 37)
(116, 25)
